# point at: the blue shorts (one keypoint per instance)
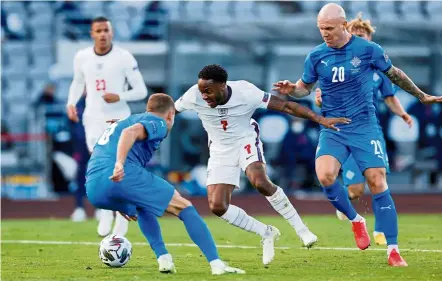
(139, 189)
(365, 142)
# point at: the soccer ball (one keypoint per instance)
(115, 250)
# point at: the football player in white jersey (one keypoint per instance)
(105, 70)
(225, 109)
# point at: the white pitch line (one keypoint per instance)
(41, 242)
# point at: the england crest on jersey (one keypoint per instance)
(223, 111)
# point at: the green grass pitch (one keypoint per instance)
(333, 258)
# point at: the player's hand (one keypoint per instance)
(318, 97)
(129, 218)
(71, 111)
(111, 98)
(427, 99)
(407, 118)
(331, 122)
(118, 174)
(284, 87)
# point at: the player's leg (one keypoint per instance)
(153, 196)
(331, 152)
(354, 182)
(252, 162)
(199, 233)
(369, 154)
(256, 172)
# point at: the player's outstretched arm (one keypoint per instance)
(295, 109)
(401, 79)
(396, 107)
(127, 139)
(297, 90)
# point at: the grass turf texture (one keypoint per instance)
(81, 262)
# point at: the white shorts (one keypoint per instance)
(94, 128)
(225, 165)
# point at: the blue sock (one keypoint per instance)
(199, 232)
(346, 191)
(386, 216)
(151, 229)
(338, 196)
(377, 225)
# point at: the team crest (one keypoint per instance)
(266, 97)
(355, 61)
(223, 111)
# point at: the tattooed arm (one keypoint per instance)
(295, 109)
(401, 79)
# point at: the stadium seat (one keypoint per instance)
(268, 11)
(17, 88)
(386, 11)
(354, 7)
(13, 7)
(310, 7)
(434, 9)
(220, 12)
(196, 10)
(174, 9)
(412, 10)
(245, 10)
(92, 9)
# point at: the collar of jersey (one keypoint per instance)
(229, 95)
(112, 46)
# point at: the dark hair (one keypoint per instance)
(213, 72)
(99, 19)
(160, 103)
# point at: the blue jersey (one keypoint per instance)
(346, 77)
(106, 148)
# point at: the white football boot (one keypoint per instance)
(307, 237)
(165, 264)
(341, 215)
(219, 268)
(79, 215)
(268, 244)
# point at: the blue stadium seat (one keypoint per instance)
(354, 7)
(245, 10)
(174, 9)
(310, 7)
(412, 10)
(196, 10)
(434, 9)
(386, 11)
(220, 12)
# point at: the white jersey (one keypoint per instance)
(109, 73)
(226, 125)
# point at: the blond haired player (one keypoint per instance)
(352, 176)
(105, 70)
(225, 109)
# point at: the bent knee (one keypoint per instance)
(263, 185)
(327, 178)
(218, 208)
(376, 179)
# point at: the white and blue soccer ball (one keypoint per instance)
(115, 251)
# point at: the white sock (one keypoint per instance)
(282, 205)
(391, 247)
(358, 218)
(238, 217)
(217, 263)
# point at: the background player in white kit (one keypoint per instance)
(105, 69)
(225, 109)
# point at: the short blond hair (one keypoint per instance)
(160, 102)
(358, 23)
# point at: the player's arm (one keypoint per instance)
(186, 101)
(398, 77)
(382, 62)
(128, 137)
(135, 79)
(295, 109)
(395, 106)
(76, 90)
